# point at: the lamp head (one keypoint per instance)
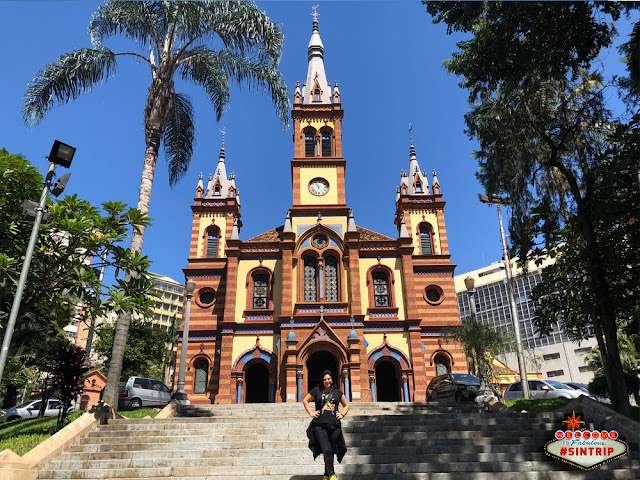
(469, 282)
(58, 187)
(61, 154)
(190, 286)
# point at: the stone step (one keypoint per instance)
(616, 474)
(306, 459)
(515, 468)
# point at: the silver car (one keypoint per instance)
(147, 392)
(542, 389)
(31, 408)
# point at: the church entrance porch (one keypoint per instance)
(387, 382)
(317, 363)
(257, 383)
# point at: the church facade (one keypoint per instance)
(270, 313)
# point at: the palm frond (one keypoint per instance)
(201, 70)
(179, 137)
(65, 79)
(259, 72)
(139, 21)
(240, 25)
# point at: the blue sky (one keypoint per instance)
(386, 58)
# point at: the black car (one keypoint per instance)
(460, 387)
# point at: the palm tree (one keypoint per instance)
(173, 37)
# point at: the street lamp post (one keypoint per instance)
(493, 199)
(179, 394)
(61, 154)
(469, 283)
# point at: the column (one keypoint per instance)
(299, 384)
(272, 389)
(405, 387)
(372, 385)
(345, 374)
(239, 389)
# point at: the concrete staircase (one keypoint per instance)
(398, 441)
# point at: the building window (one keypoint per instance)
(331, 276)
(585, 368)
(326, 144)
(260, 291)
(583, 350)
(551, 356)
(310, 287)
(425, 240)
(418, 186)
(316, 95)
(200, 382)
(442, 366)
(381, 289)
(309, 144)
(555, 373)
(212, 243)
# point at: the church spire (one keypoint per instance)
(316, 89)
(416, 182)
(220, 184)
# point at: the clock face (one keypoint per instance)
(318, 186)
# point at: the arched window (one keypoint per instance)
(316, 95)
(425, 240)
(260, 291)
(331, 279)
(418, 186)
(381, 289)
(310, 288)
(309, 143)
(212, 243)
(200, 381)
(442, 365)
(326, 143)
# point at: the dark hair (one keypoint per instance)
(333, 380)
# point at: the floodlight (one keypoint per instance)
(61, 154)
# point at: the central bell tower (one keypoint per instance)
(317, 168)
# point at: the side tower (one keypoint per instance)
(212, 262)
(429, 283)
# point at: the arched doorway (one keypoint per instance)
(387, 385)
(317, 363)
(256, 378)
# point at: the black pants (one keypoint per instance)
(326, 437)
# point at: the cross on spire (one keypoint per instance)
(315, 13)
(410, 137)
(223, 131)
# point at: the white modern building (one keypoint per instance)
(555, 356)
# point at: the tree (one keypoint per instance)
(630, 363)
(481, 344)
(539, 115)
(144, 353)
(175, 38)
(62, 285)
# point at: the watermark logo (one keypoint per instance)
(585, 449)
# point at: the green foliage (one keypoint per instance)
(144, 352)
(62, 274)
(138, 412)
(630, 357)
(23, 435)
(537, 404)
(548, 140)
(483, 342)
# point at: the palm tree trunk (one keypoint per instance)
(156, 112)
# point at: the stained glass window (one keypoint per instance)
(212, 243)
(326, 144)
(260, 291)
(425, 240)
(310, 279)
(200, 383)
(380, 289)
(309, 144)
(331, 279)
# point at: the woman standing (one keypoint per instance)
(325, 432)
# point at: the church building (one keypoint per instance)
(270, 313)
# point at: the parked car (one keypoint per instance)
(585, 388)
(147, 392)
(31, 408)
(453, 386)
(543, 389)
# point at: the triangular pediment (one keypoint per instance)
(322, 332)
